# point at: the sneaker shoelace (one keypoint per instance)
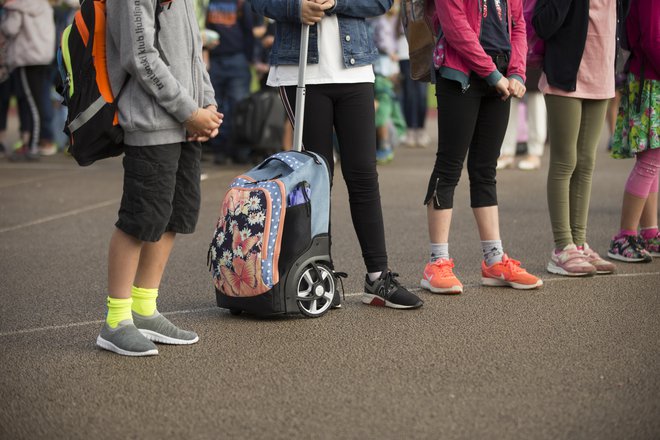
(513, 265)
(390, 284)
(444, 266)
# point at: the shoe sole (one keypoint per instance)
(553, 268)
(375, 300)
(162, 339)
(496, 282)
(107, 345)
(453, 290)
(628, 259)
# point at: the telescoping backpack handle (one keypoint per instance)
(300, 90)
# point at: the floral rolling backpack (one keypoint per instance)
(270, 252)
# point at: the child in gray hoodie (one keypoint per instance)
(166, 108)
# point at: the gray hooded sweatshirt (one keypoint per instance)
(30, 30)
(166, 84)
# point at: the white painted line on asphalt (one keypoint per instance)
(59, 216)
(208, 309)
(40, 167)
(50, 327)
(97, 322)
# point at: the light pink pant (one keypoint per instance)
(643, 178)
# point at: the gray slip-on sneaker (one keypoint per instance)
(126, 340)
(158, 328)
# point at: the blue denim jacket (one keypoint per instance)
(357, 42)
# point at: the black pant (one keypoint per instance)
(349, 110)
(35, 84)
(474, 120)
(413, 97)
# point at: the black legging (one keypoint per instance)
(474, 120)
(349, 109)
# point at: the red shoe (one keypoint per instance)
(508, 273)
(439, 277)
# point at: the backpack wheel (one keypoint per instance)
(316, 288)
(235, 312)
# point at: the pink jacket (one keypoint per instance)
(643, 26)
(460, 23)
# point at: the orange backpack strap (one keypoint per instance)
(98, 52)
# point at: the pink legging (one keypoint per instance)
(643, 178)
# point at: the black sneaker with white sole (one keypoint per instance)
(386, 291)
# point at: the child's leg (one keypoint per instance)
(537, 118)
(591, 125)
(123, 259)
(649, 217)
(564, 116)
(30, 83)
(184, 198)
(642, 181)
(508, 149)
(649, 222)
(161, 198)
(354, 115)
(153, 259)
(489, 132)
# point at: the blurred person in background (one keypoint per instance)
(229, 68)
(29, 26)
(638, 135)
(413, 96)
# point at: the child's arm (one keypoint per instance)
(460, 35)
(518, 59)
(11, 23)
(644, 17)
(133, 27)
(549, 15)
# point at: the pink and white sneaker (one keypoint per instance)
(570, 262)
(602, 266)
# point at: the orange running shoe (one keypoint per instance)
(439, 277)
(508, 273)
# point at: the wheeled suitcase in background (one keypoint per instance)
(270, 251)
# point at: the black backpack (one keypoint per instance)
(92, 120)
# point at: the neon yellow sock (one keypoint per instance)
(118, 311)
(144, 300)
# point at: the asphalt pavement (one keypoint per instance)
(576, 359)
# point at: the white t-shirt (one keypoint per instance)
(330, 69)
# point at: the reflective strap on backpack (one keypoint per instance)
(86, 115)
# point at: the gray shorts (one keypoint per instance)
(161, 190)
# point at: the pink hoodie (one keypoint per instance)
(460, 21)
(643, 29)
